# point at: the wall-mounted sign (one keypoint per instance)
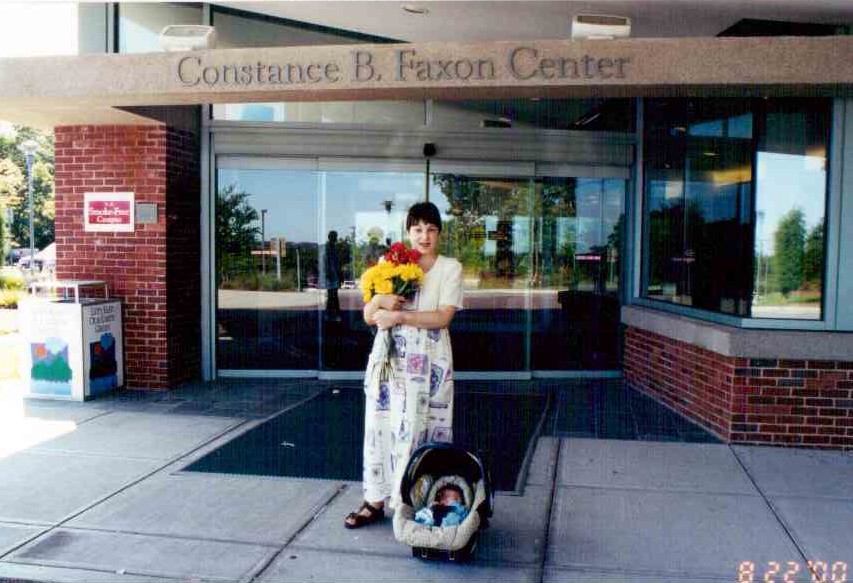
(520, 63)
(146, 213)
(108, 211)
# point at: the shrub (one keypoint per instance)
(9, 298)
(12, 282)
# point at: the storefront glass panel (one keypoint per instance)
(552, 114)
(540, 256)
(381, 113)
(362, 213)
(575, 301)
(488, 229)
(267, 269)
(242, 29)
(735, 204)
(698, 213)
(790, 211)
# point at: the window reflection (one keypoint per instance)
(575, 307)
(487, 227)
(362, 214)
(266, 269)
(697, 217)
(705, 246)
(562, 114)
(790, 210)
(397, 113)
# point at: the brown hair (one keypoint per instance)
(423, 211)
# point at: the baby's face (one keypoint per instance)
(448, 497)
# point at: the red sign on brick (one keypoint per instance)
(108, 211)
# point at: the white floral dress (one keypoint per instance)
(416, 406)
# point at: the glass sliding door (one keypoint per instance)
(575, 285)
(541, 257)
(488, 228)
(362, 212)
(266, 260)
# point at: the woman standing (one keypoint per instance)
(416, 405)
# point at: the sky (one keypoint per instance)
(29, 29)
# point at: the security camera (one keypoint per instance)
(429, 150)
(187, 37)
(600, 26)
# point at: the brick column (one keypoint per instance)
(155, 269)
(806, 403)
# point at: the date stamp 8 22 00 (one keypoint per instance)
(792, 572)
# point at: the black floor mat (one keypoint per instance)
(322, 438)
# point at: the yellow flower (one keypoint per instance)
(384, 286)
(368, 282)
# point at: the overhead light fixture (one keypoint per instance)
(187, 37)
(600, 26)
(414, 9)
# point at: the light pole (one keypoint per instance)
(29, 149)
(263, 243)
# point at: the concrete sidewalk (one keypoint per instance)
(96, 492)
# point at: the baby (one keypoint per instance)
(448, 510)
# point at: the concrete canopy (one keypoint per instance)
(94, 88)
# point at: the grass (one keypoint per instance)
(777, 299)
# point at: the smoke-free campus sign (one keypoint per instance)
(108, 211)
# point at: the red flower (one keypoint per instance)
(400, 254)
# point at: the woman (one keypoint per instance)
(417, 404)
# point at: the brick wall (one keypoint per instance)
(805, 403)
(690, 380)
(160, 165)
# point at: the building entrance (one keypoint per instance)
(540, 247)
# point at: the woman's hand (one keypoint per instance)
(388, 301)
(387, 318)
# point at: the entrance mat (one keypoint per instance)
(322, 438)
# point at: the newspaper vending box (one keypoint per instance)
(72, 346)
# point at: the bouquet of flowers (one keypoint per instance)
(398, 273)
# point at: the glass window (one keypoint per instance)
(397, 113)
(698, 215)
(92, 28)
(364, 213)
(238, 29)
(559, 114)
(268, 308)
(575, 302)
(724, 180)
(487, 227)
(140, 23)
(790, 210)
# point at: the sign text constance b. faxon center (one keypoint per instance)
(405, 65)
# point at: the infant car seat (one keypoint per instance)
(431, 467)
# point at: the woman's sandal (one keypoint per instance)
(359, 520)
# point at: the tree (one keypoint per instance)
(813, 257)
(789, 243)
(237, 232)
(13, 186)
(11, 183)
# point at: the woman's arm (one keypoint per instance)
(432, 320)
(380, 302)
